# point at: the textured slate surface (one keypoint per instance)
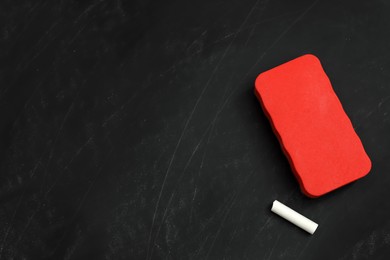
(129, 129)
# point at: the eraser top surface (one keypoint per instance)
(315, 133)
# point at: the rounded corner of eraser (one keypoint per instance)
(313, 129)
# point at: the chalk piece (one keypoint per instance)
(294, 217)
(315, 133)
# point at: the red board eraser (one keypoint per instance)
(315, 133)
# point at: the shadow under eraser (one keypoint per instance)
(313, 129)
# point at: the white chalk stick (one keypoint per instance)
(294, 217)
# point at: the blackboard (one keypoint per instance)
(129, 129)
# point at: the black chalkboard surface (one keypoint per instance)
(129, 129)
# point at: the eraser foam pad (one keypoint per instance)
(315, 133)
